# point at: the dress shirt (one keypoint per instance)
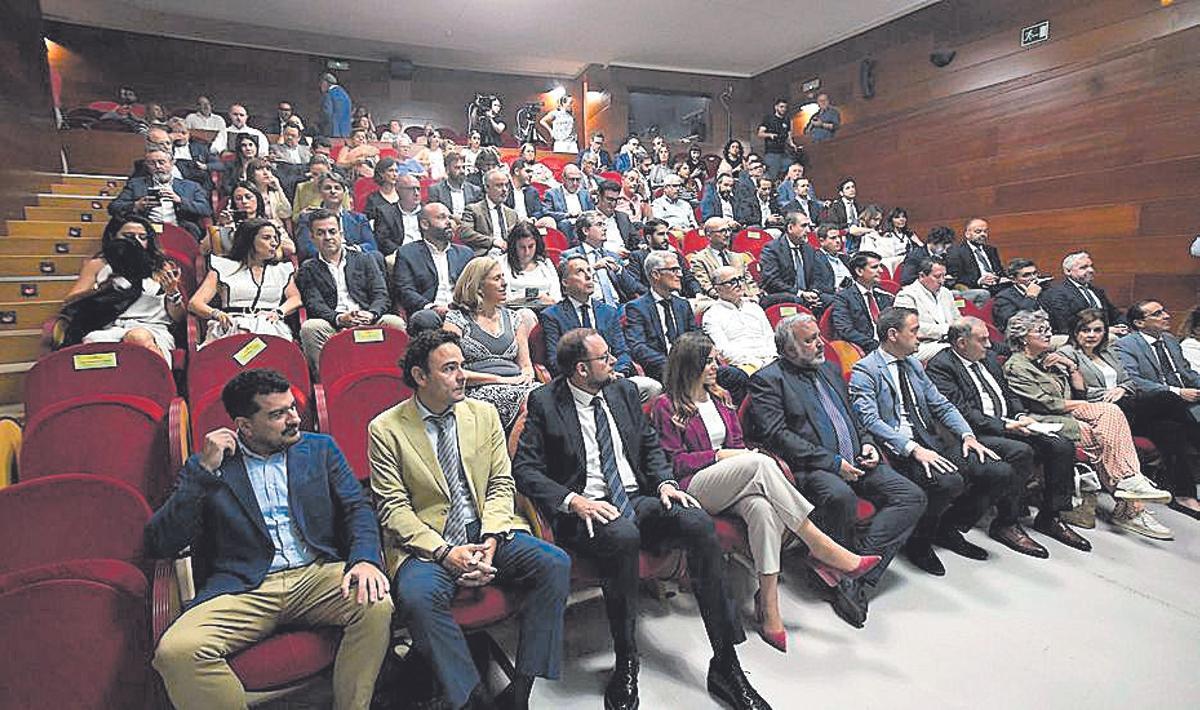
(764, 210)
(608, 290)
(664, 312)
(1163, 367)
(595, 488)
(496, 218)
(197, 121)
(574, 208)
(441, 264)
(612, 236)
(726, 207)
(797, 252)
(164, 210)
(431, 431)
(518, 203)
(288, 153)
(578, 306)
(220, 143)
(1088, 294)
(982, 260)
(840, 271)
(269, 478)
(182, 152)
(337, 270)
(1109, 374)
(851, 212)
(905, 427)
(981, 388)
(741, 333)
(678, 214)
(713, 423)
(868, 297)
(412, 226)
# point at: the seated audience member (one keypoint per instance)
(974, 262)
(1046, 380)
(487, 159)
(790, 266)
(843, 212)
(356, 230)
(719, 232)
(896, 241)
(578, 310)
(889, 245)
(357, 157)
(524, 199)
(127, 293)
(627, 156)
(702, 438)
(825, 122)
(226, 138)
(455, 191)
(494, 339)
(426, 271)
(406, 163)
(1021, 294)
(432, 157)
(471, 152)
(969, 375)
(443, 485)
(290, 150)
(738, 326)
(392, 132)
(308, 193)
(933, 304)
(1063, 299)
(937, 243)
(785, 191)
(395, 208)
(635, 196)
(191, 156)
(246, 202)
(615, 285)
(1189, 338)
(718, 199)
(658, 319)
(321, 567)
(245, 151)
(689, 191)
(1170, 389)
(609, 496)
(256, 288)
(541, 173)
(732, 156)
(341, 288)
(596, 150)
(203, 118)
(802, 413)
(286, 117)
(760, 209)
(856, 308)
(961, 477)
(661, 167)
(528, 272)
(161, 198)
(485, 224)
(275, 202)
(695, 161)
(566, 202)
(832, 271)
(656, 238)
(620, 235)
(673, 209)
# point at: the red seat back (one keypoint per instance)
(844, 354)
(750, 241)
(556, 239)
(779, 311)
(98, 368)
(826, 324)
(216, 363)
(363, 187)
(693, 242)
(356, 349)
(611, 175)
(350, 405)
(888, 285)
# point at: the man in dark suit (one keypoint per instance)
(591, 461)
(1063, 299)
(831, 273)
(1020, 295)
(843, 211)
(524, 197)
(341, 288)
(596, 150)
(280, 532)
(975, 263)
(655, 234)
(162, 198)
(567, 201)
(615, 284)
(718, 199)
(424, 292)
(969, 375)
(801, 412)
(760, 209)
(800, 199)
(789, 266)
(455, 191)
(486, 223)
(856, 308)
(620, 230)
(937, 243)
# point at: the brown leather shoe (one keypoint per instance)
(1058, 529)
(1015, 538)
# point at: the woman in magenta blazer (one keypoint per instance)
(700, 433)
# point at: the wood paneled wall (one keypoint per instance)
(1088, 141)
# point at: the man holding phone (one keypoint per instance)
(162, 198)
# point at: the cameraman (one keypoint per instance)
(488, 122)
(162, 198)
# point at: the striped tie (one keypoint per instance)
(461, 507)
(608, 461)
(840, 426)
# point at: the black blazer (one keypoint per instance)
(388, 227)
(644, 331)
(1062, 300)
(416, 277)
(533, 202)
(852, 321)
(823, 277)
(550, 460)
(836, 213)
(960, 261)
(689, 287)
(952, 379)
(778, 274)
(813, 211)
(748, 213)
(364, 281)
(782, 418)
(1008, 301)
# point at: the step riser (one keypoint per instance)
(82, 203)
(12, 388)
(31, 246)
(20, 348)
(87, 180)
(102, 190)
(27, 315)
(11, 292)
(66, 214)
(37, 266)
(63, 230)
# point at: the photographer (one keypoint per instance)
(161, 198)
(488, 121)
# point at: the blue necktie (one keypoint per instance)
(608, 461)
(841, 427)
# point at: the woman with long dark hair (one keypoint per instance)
(245, 202)
(732, 156)
(528, 272)
(236, 172)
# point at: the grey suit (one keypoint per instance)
(440, 192)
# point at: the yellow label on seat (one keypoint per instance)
(369, 335)
(94, 361)
(786, 311)
(250, 351)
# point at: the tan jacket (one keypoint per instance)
(1045, 393)
(410, 490)
(705, 263)
(477, 225)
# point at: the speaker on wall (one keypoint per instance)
(942, 57)
(866, 78)
(401, 69)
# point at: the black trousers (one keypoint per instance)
(1164, 419)
(1057, 456)
(616, 548)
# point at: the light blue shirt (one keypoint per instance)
(269, 479)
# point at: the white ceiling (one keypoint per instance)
(545, 37)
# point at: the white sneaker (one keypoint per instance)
(1140, 488)
(1144, 523)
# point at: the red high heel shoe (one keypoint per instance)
(775, 639)
(832, 576)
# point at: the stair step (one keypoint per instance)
(32, 265)
(18, 315)
(48, 246)
(67, 214)
(117, 181)
(73, 201)
(86, 190)
(20, 345)
(12, 382)
(36, 288)
(66, 230)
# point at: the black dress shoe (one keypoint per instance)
(728, 683)
(923, 556)
(1014, 538)
(849, 604)
(1057, 529)
(621, 693)
(954, 541)
(1180, 508)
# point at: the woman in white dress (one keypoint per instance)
(256, 289)
(529, 274)
(560, 124)
(890, 249)
(432, 156)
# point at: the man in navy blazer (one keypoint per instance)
(779, 277)
(718, 195)
(1063, 299)
(853, 319)
(531, 201)
(615, 283)
(656, 233)
(280, 532)
(423, 295)
(144, 195)
(559, 201)
(596, 150)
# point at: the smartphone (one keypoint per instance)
(531, 293)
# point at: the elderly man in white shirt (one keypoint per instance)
(671, 208)
(738, 327)
(934, 305)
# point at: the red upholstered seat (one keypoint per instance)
(355, 349)
(537, 353)
(845, 354)
(826, 324)
(285, 658)
(363, 187)
(556, 239)
(83, 370)
(731, 533)
(779, 311)
(208, 413)
(751, 241)
(693, 242)
(346, 407)
(890, 286)
(475, 608)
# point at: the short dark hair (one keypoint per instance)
(417, 353)
(825, 228)
(564, 265)
(891, 318)
(1138, 310)
(860, 260)
(321, 213)
(382, 167)
(239, 393)
(652, 224)
(607, 186)
(940, 234)
(926, 264)
(520, 163)
(779, 100)
(1017, 264)
(1082, 318)
(572, 349)
(843, 182)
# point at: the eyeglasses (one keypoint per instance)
(606, 355)
(721, 230)
(1155, 314)
(736, 281)
(572, 179)
(671, 269)
(1042, 329)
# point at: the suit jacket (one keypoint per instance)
(440, 192)
(194, 207)
(689, 449)
(1141, 362)
(689, 287)
(875, 396)
(796, 204)
(477, 225)
(950, 376)
(550, 460)
(605, 159)
(935, 313)
(629, 234)
(1062, 300)
(388, 226)
(364, 281)
(562, 317)
(416, 278)
(710, 203)
(748, 212)
(824, 278)
(836, 213)
(852, 321)
(218, 516)
(960, 261)
(1043, 393)
(627, 285)
(410, 487)
(644, 330)
(778, 272)
(533, 201)
(1093, 378)
(198, 173)
(555, 202)
(705, 263)
(787, 418)
(1007, 302)
(355, 229)
(278, 153)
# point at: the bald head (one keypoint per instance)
(435, 223)
(718, 230)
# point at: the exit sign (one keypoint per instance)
(1035, 33)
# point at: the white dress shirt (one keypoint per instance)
(713, 423)
(519, 204)
(197, 121)
(596, 488)
(345, 304)
(496, 218)
(574, 207)
(220, 143)
(741, 333)
(412, 225)
(678, 214)
(612, 236)
(981, 388)
(441, 264)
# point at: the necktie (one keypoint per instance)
(851, 213)
(499, 221)
(997, 400)
(798, 263)
(1091, 297)
(585, 316)
(608, 461)
(985, 264)
(872, 305)
(461, 507)
(841, 427)
(669, 325)
(724, 257)
(1170, 375)
(607, 292)
(915, 417)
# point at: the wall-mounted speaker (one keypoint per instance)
(401, 69)
(866, 78)
(942, 57)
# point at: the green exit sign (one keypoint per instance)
(1035, 33)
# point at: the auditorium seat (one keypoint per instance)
(779, 311)
(844, 353)
(354, 349)
(556, 239)
(693, 242)
(98, 368)
(751, 241)
(826, 324)
(363, 187)
(537, 354)
(347, 405)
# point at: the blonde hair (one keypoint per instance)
(470, 283)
